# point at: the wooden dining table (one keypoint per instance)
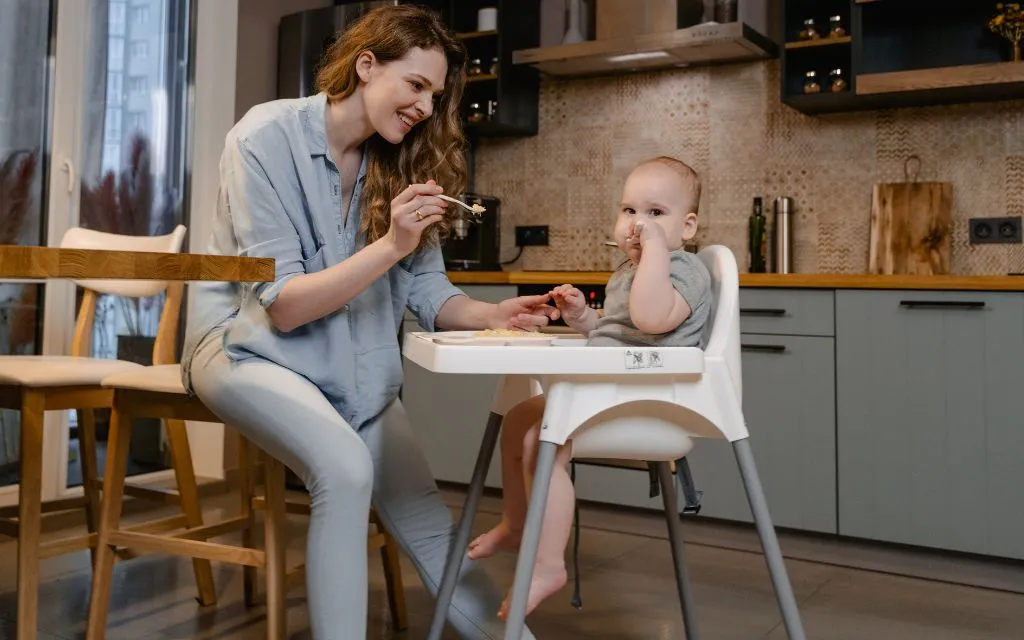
(36, 263)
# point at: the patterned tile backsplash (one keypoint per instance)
(729, 124)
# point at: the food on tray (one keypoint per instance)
(505, 333)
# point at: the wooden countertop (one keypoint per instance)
(765, 280)
(18, 263)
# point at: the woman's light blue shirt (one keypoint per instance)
(280, 198)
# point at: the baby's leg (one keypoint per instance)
(517, 423)
(549, 574)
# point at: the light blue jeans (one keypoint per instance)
(288, 417)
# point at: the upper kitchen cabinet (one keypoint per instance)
(843, 55)
(608, 37)
(500, 97)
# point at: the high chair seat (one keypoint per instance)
(165, 378)
(60, 371)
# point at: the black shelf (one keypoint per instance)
(515, 89)
(902, 53)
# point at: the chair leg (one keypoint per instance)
(675, 538)
(90, 471)
(531, 540)
(181, 459)
(30, 512)
(769, 542)
(459, 544)
(274, 521)
(393, 578)
(245, 491)
(110, 520)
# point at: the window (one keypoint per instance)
(116, 19)
(138, 85)
(140, 49)
(136, 120)
(140, 15)
(115, 88)
(115, 54)
(113, 126)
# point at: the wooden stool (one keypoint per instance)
(157, 392)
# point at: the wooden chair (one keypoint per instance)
(157, 392)
(34, 385)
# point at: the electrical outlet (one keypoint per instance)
(536, 236)
(995, 230)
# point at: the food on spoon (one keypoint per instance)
(478, 208)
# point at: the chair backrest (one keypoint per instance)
(167, 331)
(79, 238)
(724, 326)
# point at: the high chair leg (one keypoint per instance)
(769, 542)
(460, 543)
(531, 540)
(675, 538)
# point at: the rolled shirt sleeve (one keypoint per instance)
(430, 287)
(262, 226)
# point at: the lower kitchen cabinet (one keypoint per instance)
(930, 428)
(789, 405)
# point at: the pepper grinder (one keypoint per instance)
(783, 236)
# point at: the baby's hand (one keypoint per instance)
(647, 232)
(570, 301)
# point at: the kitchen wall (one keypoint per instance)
(256, 79)
(729, 124)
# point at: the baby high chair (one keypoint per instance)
(620, 403)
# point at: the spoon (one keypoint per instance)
(474, 208)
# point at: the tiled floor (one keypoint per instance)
(627, 587)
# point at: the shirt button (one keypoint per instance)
(345, 308)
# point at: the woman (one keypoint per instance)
(340, 189)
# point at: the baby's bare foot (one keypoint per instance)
(498, 538)
(547, 580)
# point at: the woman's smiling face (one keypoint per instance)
(400, 94)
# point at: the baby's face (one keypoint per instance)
(657, 195)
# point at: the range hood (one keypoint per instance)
(704, 44)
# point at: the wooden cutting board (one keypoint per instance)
(911, 228)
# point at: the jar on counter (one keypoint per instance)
(475, 67)
(836, 28)
(839, 83)
(810, 31)
(494, 67)
(475, 113)
(811, 84)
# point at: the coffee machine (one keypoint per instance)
(474, 243)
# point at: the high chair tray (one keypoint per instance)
(565, 355)
(495, 339)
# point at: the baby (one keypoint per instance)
(660, 296)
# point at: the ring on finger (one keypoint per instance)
(419, 216)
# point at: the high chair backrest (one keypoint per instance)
(79, 238)
(166, 337)
(723, 329)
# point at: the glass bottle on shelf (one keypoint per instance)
(492, 109)
(809, 32)
(494, 66)
(475, 113)
(838, 81)
(836, 28)
(811, 82)
(475, 67)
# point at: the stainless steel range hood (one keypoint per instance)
(703, 44)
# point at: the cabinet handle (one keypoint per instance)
(762, 312)
(764, 348)
(941, 304)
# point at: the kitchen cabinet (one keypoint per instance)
(789, 405)
(930, 431)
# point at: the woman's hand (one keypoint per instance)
(525, 312)
(412, 211)
(570, 302)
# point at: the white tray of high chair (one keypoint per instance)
(632, 403)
